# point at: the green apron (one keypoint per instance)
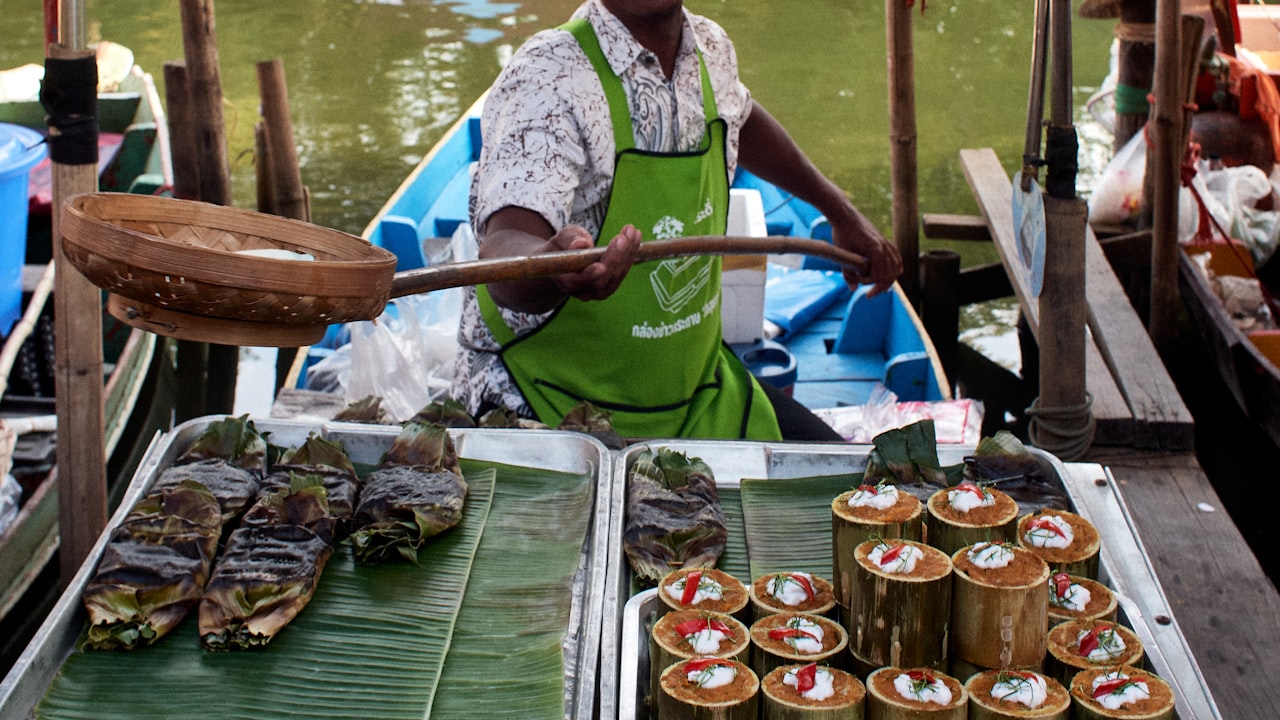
(651, 354)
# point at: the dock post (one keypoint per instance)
(902, 143)
(939, 305)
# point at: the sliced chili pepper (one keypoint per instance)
(693, 627)
(1043, 523)
(1061, 583)
(920, 676)
(807, 677)
(1111, 687)
(1089, 642)
(691, 582)
(788, 632)
(700, 664)
(803, 582)
(892, 554)
(970, 487)
(869, 489)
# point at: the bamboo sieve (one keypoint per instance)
(179, 268)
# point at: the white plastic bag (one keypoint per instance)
(1117, 198)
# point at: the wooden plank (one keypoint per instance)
(1160, 419)
(994, 193)
(944, 226)
(1227, 608)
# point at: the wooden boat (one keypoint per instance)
(833, 350)
(134, 154)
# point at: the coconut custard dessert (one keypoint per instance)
(708, 688)
(703, 589)
(811, 692)
(869, 511)
(1065, 540)
(895, 693)
(791, 592)
(1076, 598)
(1087, 644)
(901, 604)
(1016, 694)
(999, 606)
(785, 638)
(970, 513)
(1121, 692)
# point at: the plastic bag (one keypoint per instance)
(1240, 190)
(1117, 198)
(10, 497)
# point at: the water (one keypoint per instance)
(373, 84)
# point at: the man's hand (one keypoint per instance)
(600, 279)
(884, 262)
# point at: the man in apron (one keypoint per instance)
(622, 126)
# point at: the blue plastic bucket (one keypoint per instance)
(20, 150)
(771, 362)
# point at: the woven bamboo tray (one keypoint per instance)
(182, 256)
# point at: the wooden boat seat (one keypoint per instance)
(405, 236)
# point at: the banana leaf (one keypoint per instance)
(235, 487)
(787, 523)
(673, 514)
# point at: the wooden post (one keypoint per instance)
(204, 87)
(1164, 171)
(1135, 64)
(940, 308)
(902, 143)
(80, 455)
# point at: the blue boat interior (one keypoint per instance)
(835, 346)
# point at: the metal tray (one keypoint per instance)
(1090, 488)
(40, 662)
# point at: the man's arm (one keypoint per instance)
(514, 232)
(768, 150)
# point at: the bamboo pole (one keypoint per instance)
(286, 180)
(80, 456)
(1163, 166)
(902, 143)
(1135, 62)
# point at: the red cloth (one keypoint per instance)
(40, 183)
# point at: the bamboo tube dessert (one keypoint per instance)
(1077, 598)
(970, 513)
(811, 692)
(1121, 692)
(1087, 644)
(787, 638)
(863, 513)
(901, 607)
(687, 634)
(708, 689)
(1067, 541)
(914, 694)
(791, 592)
(1016, 695)
(999, 606)
(703, 589)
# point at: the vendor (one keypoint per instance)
(625, 125)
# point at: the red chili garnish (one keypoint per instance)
(693, 627)
(804, 583)
(1061, 583)
(691, 582)
(920, 676)
(966, 485)
(1020, 674)
(1109, 687)
(892, 554)
(807, 677)
(700, 664)
(1043, 523)
(1089, 642)
(789, 632)
(869, 489)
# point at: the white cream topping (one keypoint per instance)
(706, 641)
(1043, 537)
(801, 644)
(823, 683)
(713, 676)
(922, 691)
(964, 500)
(901, 564)
(708, 589)
(990, 556)
(1075, 598)
(1110, 646)
(880, 497)
(1027, 688)
(1130, 692)
(787, 590)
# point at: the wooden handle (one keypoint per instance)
(479, 272)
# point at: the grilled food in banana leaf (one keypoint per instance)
(270, 568)
(416, 492)
(229, 457)
(153, 568)
(673, 514)
(323, 458)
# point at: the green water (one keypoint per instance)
(373, 84)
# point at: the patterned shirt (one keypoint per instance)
(548, 147)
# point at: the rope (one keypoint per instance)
(1067, 432)
(1136, 32)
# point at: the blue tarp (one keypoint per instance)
(793, 297)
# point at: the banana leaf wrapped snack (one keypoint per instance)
(229, 457)
(417, 492)
(330, 462)
(673, 514)
(270, 567)
(153, 568)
